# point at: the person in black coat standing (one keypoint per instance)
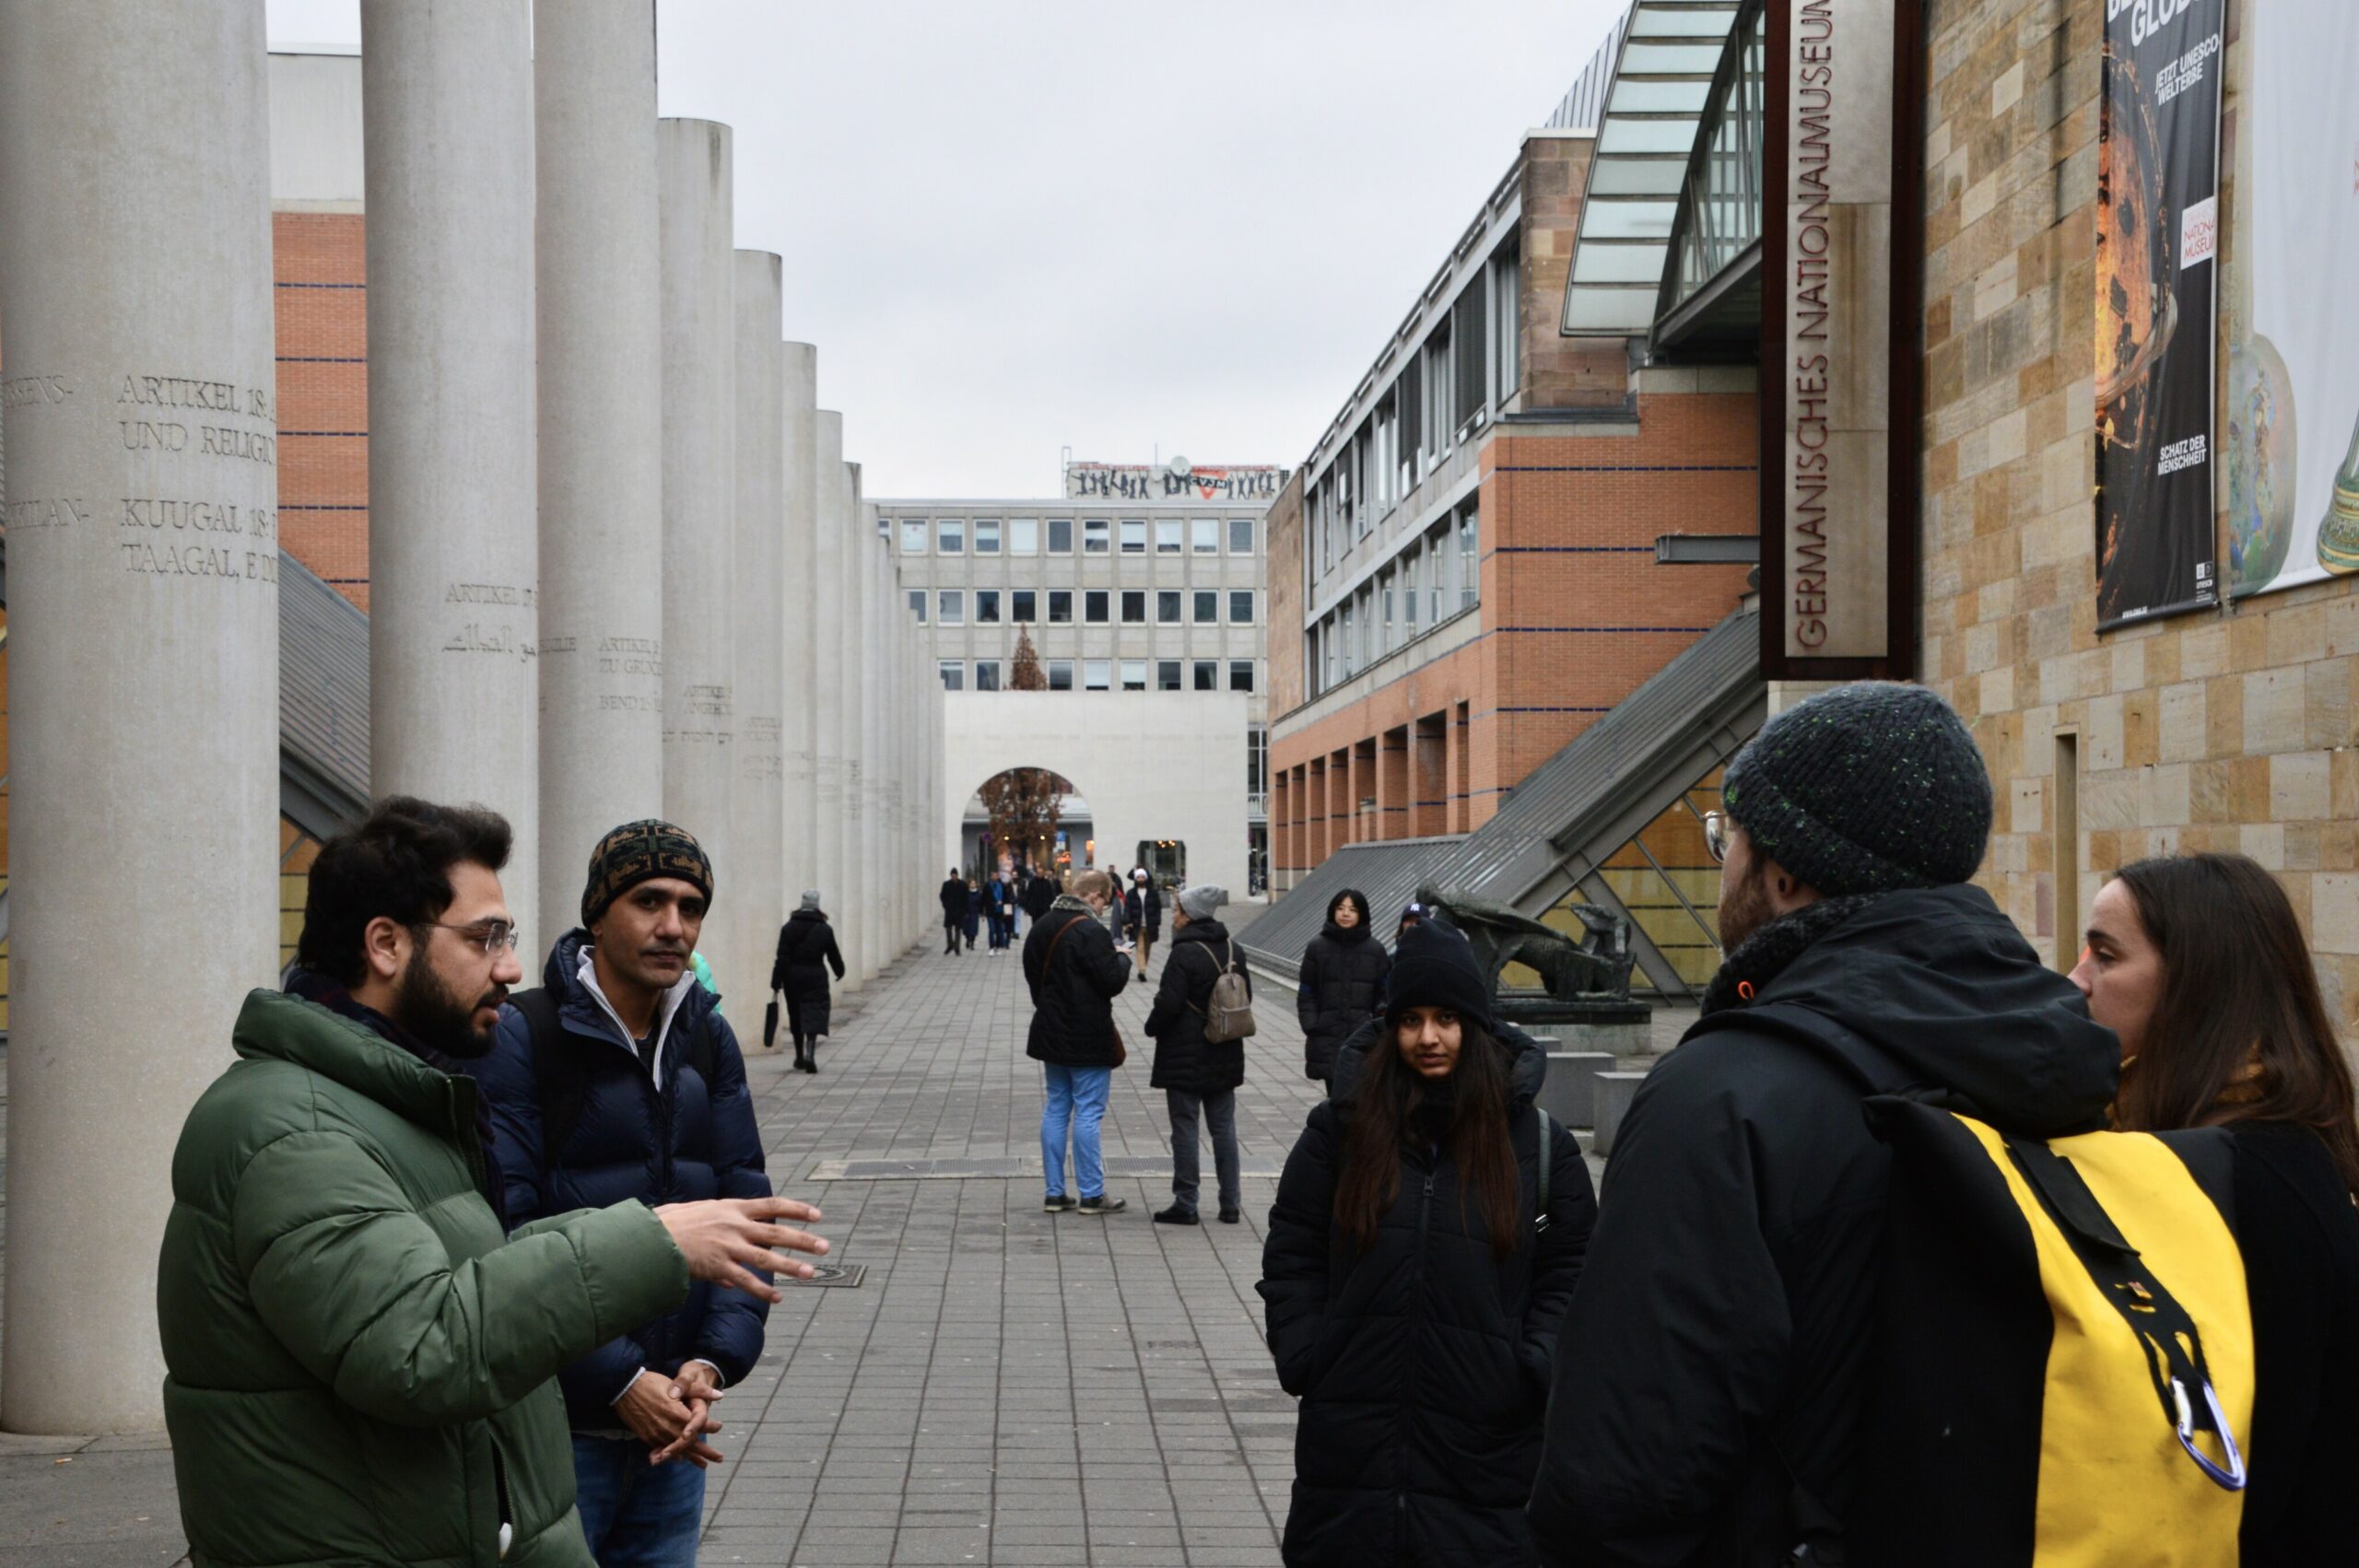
(1073, 974)
(1341, 982)
(1198, 1077)
(806, 950)
(954, 911)
(1143, 914)
(1039, 892)
(1415, 1281)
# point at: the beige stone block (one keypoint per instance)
(1996, 600)
(1994, 290)
(1981, 198)
(2008, 90)
(2163, 796)
(1999, 690)
(2027, 806)
(2264, 842)
(1981, 647)
(2345, 786)
(2301, 786)
(2109, 801)
(2211, 791)
(2203, 651)
(2326, 691)
(2185, 731)
(2343, 625)
(2334, 912)
(1937, 146)
(2248, 785)
(2007, 438)
(2140, 729)
(2223, 703)
(2305, 845)
(2276, 719)
(2295, 633)
(2101, 740)
(2128, 665)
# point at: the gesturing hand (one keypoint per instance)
(725, 1239)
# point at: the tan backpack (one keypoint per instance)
(1228, 1014)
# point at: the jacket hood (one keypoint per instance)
(808, 917)
(1527, 1064)
(1210, 931)
(275, 1026)
(1939, 984)
(1334, 932)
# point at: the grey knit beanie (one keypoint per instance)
(1867, 788)
(1202, 901)
(811, 901)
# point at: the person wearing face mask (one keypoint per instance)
(2199, 964)
(1340, 985)
(1428, 1231)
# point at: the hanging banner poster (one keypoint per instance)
(2158, 184)
(2293, 392)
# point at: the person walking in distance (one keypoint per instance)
(1428, 1234)
(1713, 1375)
(806, 950)
(998, 909)
(1073, 974)
(358, 1336)
(1039, 892)
(1198, 1076)
(972, 922)
(1143, 914)
(1342, 981)
(618, 1078)
(954, 911)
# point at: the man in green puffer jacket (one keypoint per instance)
(361, 1359)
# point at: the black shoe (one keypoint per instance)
(1101, 1204)
(1230, 1216)
(812, 1065)
(1056, 1203)
(1175, 1215)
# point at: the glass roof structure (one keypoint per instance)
(1711, 289)
(1663, 83)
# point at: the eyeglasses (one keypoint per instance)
(494, 937)
(1716, 837)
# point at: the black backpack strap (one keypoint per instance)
(560, 1083)
(703, 1049)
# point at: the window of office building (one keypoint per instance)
(1470, 559)
(949, 536)
(987, 537)
(1433, 376)
(913, 536)
(1061, 606)
(987, 675)
(1257, 761)
(1205, 536)
(1134, 537)
(1097, 674)
(1060, 537)
(1024, 605)
(987, 606)
(953, 674)
(1241, 674)
(1135, 674)
(1166, 536)
(1167, 674)
(1024, 537)
(1093, 535)
(1408, 394)
(1240, 607)
(1167, 607)
(1390, 599)
(1093, 605)
(1343, 631)
(1207, 606)
(1470, 371)
(1505, 298)
(1207, 675)
(950, 607)
(1134, 606)
(1240, 536)
(1061, 674)
(917, 604)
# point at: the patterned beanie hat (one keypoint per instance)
(636, 852)
(1868, 788)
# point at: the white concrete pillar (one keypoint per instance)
(453, 561)
(142, 688)
(831, 686)
(758, 906)
(694, 211)
(600, 438)
(798, 371)
(871, 729)
(855, 726)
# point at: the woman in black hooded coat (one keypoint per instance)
(806, 950)
(1413, 1291)
(1342, 983)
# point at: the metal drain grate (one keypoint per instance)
(840, 1276)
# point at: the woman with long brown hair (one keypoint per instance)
(2199, 963)
(1416, 1268)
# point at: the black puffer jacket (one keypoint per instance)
(1072, 993)
(1423, 1363)
(806, 950)
(955, 901)
(1038, 894)
(1184, 1060)
(1342, 985)
(1723, 1325)
(1143, 911)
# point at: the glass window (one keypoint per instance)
(913, 536)
(1060, 537)
(1025, 608)
(1134, 606)
(1061, 606)
(1167, 607)
(1240, 607)
(1208, 674)
(1470, 559)
(1167, 674)
(1097, 674)
(1241, 674)
(987, 537)
(1240, 536)
(917, 604)
(1093, 535)
(950, 607)
(1166, 536)
(1205, 536)
(987, 675)
(1024, 537)
(1093, 605)
(953, 674)
(1207, 606)
(987, 606)
(950, 537)
(1061, 674)
(1133, 536)
(1135, 674)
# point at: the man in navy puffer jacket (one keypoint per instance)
(634, 1088)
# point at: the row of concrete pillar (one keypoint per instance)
(618, 567)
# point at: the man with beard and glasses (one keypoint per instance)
(618, 1079)
(361, 1355)
(1712, 1370)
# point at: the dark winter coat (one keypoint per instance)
(1142, 910)
(1039, 892)
(1722, 1332)
(666, 1138)
(954, 901)
(1184, 1060)
(1341, 987)
(806, 950)
(973, 918)
(999, 895)
(1072, 997)
(1423, 1363)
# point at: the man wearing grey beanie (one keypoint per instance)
(1712, 1370)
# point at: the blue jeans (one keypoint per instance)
(637, 1514)
(1076, 1098)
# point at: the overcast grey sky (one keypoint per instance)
(1120, 228)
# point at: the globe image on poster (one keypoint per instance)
(2261, 450)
